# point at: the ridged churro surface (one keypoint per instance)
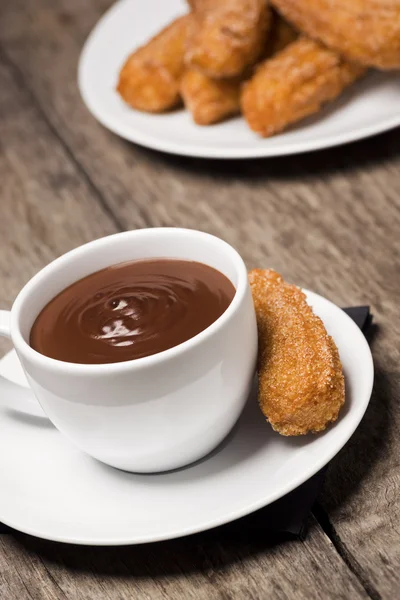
(301, 384)
(210, 100)
(365, 31)
(294, 84)
(150, 78)
(213, 100)
(229, 36)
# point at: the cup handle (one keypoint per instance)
(16, 397)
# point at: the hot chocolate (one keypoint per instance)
(131, 310)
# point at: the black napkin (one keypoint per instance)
(290, 513)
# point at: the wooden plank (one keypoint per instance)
(328, 221)
(48, 206)
(361, 494)
(23, 576)
(202, 567)
(262, 207)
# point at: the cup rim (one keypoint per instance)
(102, 369)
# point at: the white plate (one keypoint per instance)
(367, 108)
(52, 490)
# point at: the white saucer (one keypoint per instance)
(52, 490)
(369, 107)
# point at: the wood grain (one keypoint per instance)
(329, 221)
(212, 566)
(41, 187)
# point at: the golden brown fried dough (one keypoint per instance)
(228, 37)
(301, 383)
(365, 31)
(293, 85)
(150, 78)
(210, 100)
(213, 100)
(281, 34)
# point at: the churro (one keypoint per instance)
(364, 31)
(150, 78)
(301, 383)
(294, 84)
(229, 37)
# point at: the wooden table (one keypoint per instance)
(329, 221)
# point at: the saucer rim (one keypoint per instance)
(293, 483)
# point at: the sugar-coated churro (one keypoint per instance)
(301, 383)
(150, 78)
(228, 37)
(365, 31)
(294, 84)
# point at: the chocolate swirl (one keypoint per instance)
(131, 310)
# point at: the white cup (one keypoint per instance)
(155, 413)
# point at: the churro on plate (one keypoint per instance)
(210, 100)
(229, 36)
(295, 84)
(150, 78)
(301, 383)
(365, 31)
(213, 100)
